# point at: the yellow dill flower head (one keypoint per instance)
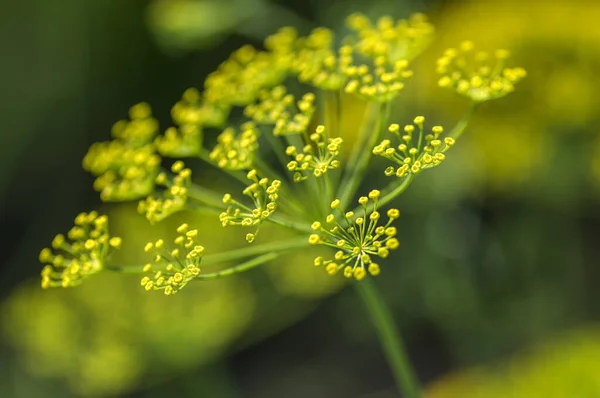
(172, 199)
(140, 129)
(172, 268)
(264, 194)
(236, 151)
(80, 254)
(240, 78)
(195, 110)
(127, 166)
(317, 157)
(357, 238)
(185, 141)
(416, 150)
(391, 39)
(318, 63)
(477, 75)
(380, 83)
(277, 107)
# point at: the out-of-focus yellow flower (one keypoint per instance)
(562, 58)
(565, 367)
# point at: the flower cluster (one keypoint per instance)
(371, 61)
(195, 110)
(277, 107)
(172, 269)
(82, 253)
(236, 151)
(172, 199)
(356, 237)
(126, 166)
(264, 195)
(477, 76)
(318, 156)
(393, 40)
(381, 84)
(412, 157)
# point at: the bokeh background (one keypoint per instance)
(495, 287)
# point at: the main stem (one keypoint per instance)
(390, 339)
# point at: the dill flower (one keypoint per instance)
(356, 237)
(172, 269)
(393, 40)
(194, 109)
(172, 199)
(185, 141)
(126, 166)
(80, 254)
(317, 62)
(410, 155)
(277, 107)
(236, 152)
(381, 84)
(319, 155)
(240, 78)
(264, 194)
(477, 76)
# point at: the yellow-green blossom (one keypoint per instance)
(182, 142)
(318, 63)
(477, 75)
(382, 83)
(393, 40)
(195, 110)
(239, 79)
(236, 151)
(277, 107)
(264, 195)
(356, 237)
(317, 157)
(172, 199)
(80, 254)
(414, 153)
(126, 166)
(172, 269)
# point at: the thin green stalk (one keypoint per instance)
(357, 170)
(390, 339)
(206, 195)
(230, 255)
(238, 175)
(277, 246)
(246, 266)
(283, 221)
(461, 126)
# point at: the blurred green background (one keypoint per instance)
(495, 286)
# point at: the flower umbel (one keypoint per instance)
(127, 166)
(236, 152)
(264, 195)
(414, 157)
(277, 107)
(477, 76)
(356, 237)
(172, 199)
(79, 255)
(318, 156)
(172, 269)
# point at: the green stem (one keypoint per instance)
(357, 170)
(277, 246)
(245, 266)
(283, 221)
(230, 255)
(461, 126)
(238, 175)
(390, 339)
(206, 196)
